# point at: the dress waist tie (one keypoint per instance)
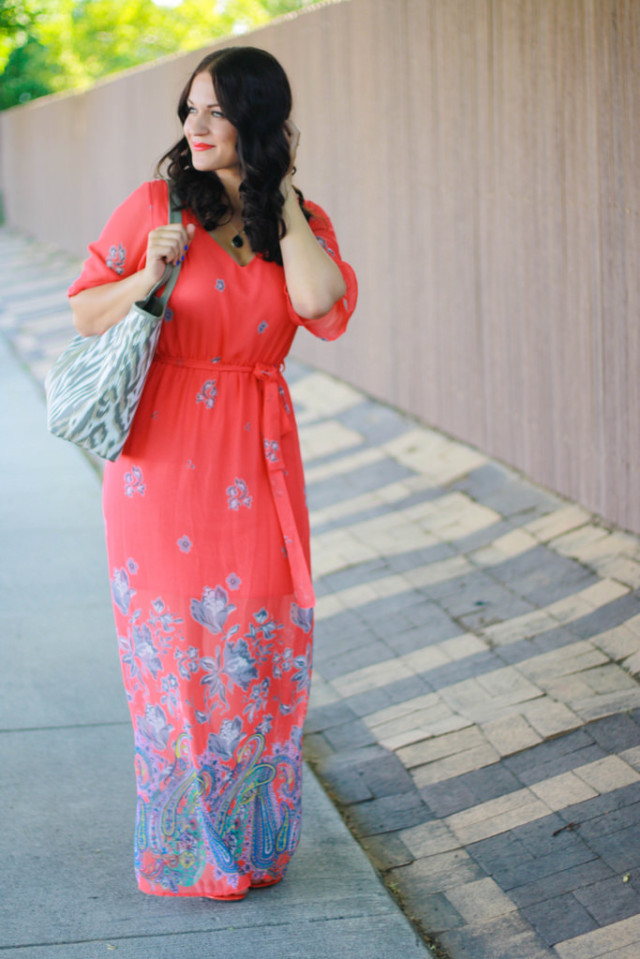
(273, 414)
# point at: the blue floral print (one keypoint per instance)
(261, 636)
(134, 482)
(301, 617)
(170, 848)
(220, 285)
(164, 620)
(282, 663)
(233, 581)
(325, 246)
(147, 642)
(170, 693)
(225, 743)
(212, 680)
(207, 394)
(145, 650)
(121, 590)
(213, 609)
(127, 655)
(283, 397)
(262, 327)
(257, 699)
(239, 666)
(116, 258)
(265, 724)
(268, 625)
(303, 675)
(188, 662)
(238, 495)
(154, 727)
(271, 448)
(184, 544)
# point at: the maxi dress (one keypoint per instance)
(208, 548)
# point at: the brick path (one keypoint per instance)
(475, 713)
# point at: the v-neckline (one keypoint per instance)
(241, 266)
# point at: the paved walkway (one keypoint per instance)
(67, 795)
(475, 713)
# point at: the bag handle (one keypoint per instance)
(170, 275)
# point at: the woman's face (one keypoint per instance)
(211, 137)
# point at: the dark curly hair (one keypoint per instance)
(254, 93)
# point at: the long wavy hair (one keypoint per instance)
(254, 94)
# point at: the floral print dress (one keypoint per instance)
(208, 547)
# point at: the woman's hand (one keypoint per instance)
(100, 307)
(292, 133)
(166, 244)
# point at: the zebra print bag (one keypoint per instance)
(94, 387)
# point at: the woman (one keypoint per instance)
(206, 523)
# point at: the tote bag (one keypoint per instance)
(94, 387)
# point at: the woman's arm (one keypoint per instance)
(98, 308)
(314, 281)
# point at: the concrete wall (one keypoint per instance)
(480, 159)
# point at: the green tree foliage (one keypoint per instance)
(29, 73)
(14, 17)
(47, 46)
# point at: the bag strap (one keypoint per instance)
(170, 276)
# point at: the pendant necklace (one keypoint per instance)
(236, 240)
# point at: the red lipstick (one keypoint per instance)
(202, 146)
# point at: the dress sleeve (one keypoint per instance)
(122, 245)
(334, 323)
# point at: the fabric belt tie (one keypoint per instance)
(275, 422)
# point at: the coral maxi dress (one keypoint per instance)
(208, 546)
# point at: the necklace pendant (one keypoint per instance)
(237, 241)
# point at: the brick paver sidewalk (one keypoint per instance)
(475, 712)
